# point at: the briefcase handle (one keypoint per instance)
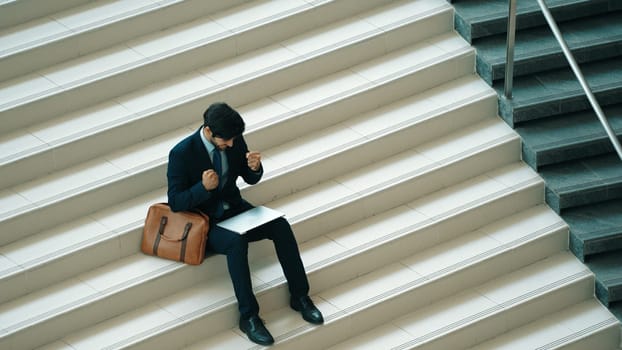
(163, 222)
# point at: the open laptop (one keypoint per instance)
(250, 219)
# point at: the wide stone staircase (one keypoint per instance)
(418, 222)
(562, 137)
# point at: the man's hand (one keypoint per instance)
(210, 179)
(254, 160)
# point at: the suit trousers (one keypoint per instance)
(235, 247)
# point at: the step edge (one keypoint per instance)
(387, 238)
(218, 88)
(464, 156)
(205, 313)
(147, 62)
(12, 214)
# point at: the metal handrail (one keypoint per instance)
(509, 67)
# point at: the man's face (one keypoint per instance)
(218, 142)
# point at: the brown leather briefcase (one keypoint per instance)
(180, 236)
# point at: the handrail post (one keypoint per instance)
(577, 71)
(509, 56)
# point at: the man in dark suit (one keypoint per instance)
(202, 173)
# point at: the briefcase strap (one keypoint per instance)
(183, 239)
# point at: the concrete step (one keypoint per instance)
(65, 33)
(568, 137)
(590, 39)
(84, 134)
(138, 280)
(391, 309)
(405, 190)
(329, 152)
(340, 255)
(556, 92)
(13, 13)
(582, 182)
(481, 18)
(565, 329)
(113, 179)
(608, 270)
(595, 228)
(117, 70)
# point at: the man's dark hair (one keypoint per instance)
(224, 121)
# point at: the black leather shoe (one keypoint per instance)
(254, 328)
(309, 312)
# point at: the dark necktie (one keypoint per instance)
(217, 160)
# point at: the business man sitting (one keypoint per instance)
(202, 173)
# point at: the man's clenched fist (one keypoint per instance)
(210, 179)
(254, 160)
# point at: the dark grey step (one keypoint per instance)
(567, 137)
(616, 309)
(582, 182)
(480, 18)
(556, 92)
(595, 228)
(536, 50)
(607, 268)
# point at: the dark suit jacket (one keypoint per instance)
(186, 163)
